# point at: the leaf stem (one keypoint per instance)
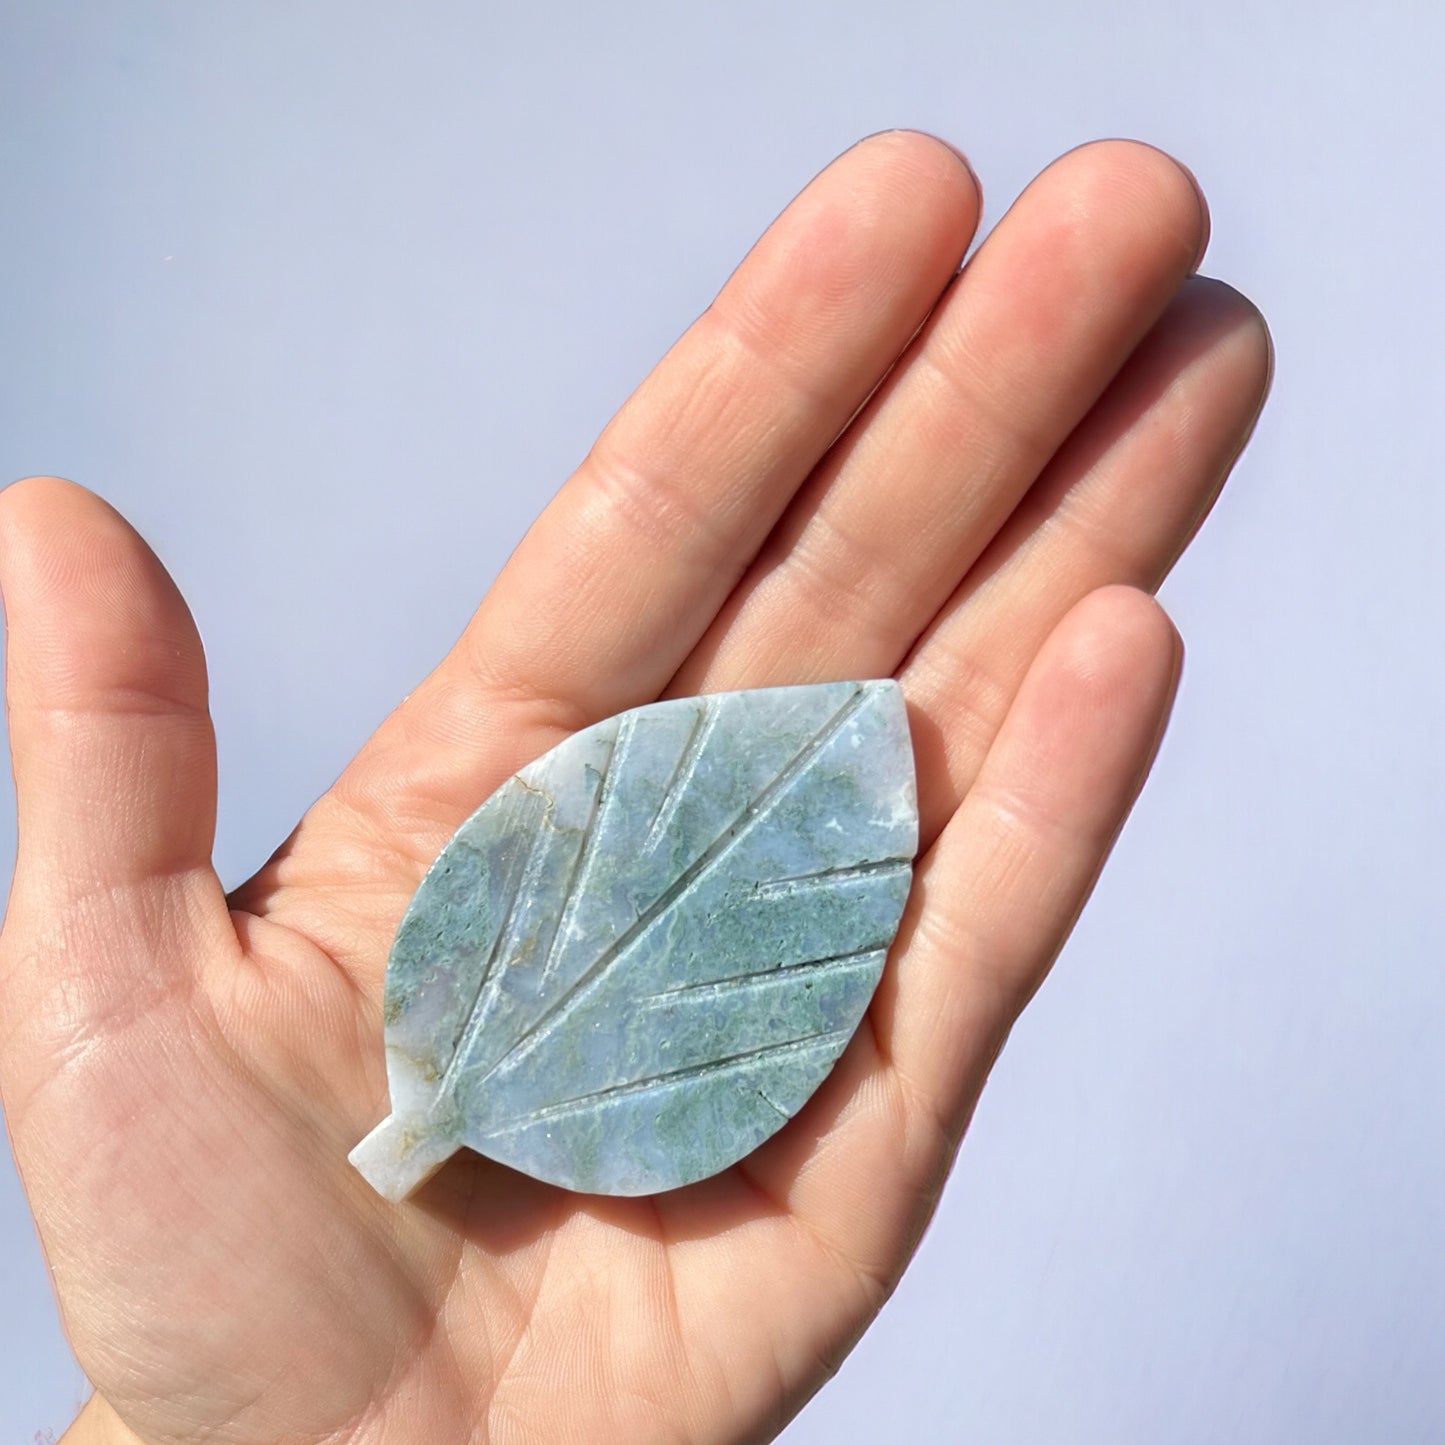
(400, 1155)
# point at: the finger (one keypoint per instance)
(1054, 302)
(1117, 505)
(993, 901)
(627, 566)
(114, 762)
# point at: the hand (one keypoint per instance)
(184, 1073)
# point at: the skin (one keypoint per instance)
(857, 462)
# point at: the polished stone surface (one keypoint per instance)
(642, 954)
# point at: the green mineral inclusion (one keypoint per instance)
(645, 951)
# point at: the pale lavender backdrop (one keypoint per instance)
(329, 297)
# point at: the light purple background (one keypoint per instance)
(329, 298)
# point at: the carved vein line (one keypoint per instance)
(773, 1104)
(806, 1044)
(521, 863)
(698, 736)
(490, 982)
(844, 873)
(833, 963)
(729, 838)
(582, 863)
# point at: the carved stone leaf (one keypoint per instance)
(646, 950)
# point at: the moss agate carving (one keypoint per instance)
(645, 951)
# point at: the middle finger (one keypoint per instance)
(1029, 336)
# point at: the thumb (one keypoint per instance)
(115, 781)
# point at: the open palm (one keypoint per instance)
(858, 462)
